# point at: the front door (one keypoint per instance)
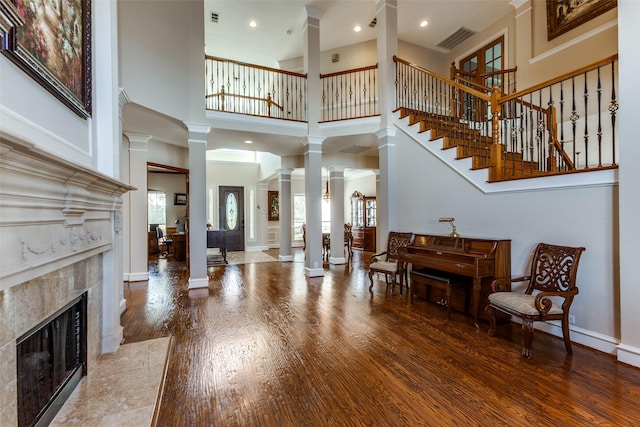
(232, 216)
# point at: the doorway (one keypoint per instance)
(232, 216)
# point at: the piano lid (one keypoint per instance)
(455, 245)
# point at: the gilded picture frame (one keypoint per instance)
(273, 206)
(54, 48)
(565, 15)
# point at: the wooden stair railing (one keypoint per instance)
(494, 135)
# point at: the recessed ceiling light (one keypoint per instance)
(424, 23)
(248, 141)
(253, 24)
(357, 28)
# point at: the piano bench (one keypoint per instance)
(424, 280)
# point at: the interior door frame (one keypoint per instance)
(222, 220)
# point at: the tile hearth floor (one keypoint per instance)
(121, 389)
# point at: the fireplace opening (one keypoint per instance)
(51, 359)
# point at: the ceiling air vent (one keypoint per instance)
(373, 22)
(456, 38)
(214, 17)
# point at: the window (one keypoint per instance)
(157, 209)
(486, 60)
(299, 216)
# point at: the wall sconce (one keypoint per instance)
(454, 234)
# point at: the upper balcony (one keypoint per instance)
(564, 125)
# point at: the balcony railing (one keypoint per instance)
(350, 94)
(236, 87)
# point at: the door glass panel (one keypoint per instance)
(231, 207)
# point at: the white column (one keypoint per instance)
(523, 34)
(125, 232)
(138, 246)
(313, 207)
(336, 190)
(262, 222)
(629, 177)
(107, 136)
(311, 35)
(387, 43)
(285, 214)
(387, 196)
(197, 201)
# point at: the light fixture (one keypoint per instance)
(325, 192)
(424, 23)
(454, 234)
(357, 28)
(248, 141)
(253, 24)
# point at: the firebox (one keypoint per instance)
(51, 360)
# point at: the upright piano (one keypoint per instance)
(480, 259)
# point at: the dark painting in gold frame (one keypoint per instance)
(53, 46)
(565, 15)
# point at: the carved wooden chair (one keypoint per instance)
(549, 294)
(387, 262)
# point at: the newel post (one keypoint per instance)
(496, 159)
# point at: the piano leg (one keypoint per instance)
(477, 285)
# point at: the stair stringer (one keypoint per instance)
(478, 177)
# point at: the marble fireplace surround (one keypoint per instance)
(58, 222)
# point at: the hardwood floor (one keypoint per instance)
(265, 346)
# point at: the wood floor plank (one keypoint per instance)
(266, 346)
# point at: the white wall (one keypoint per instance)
(575, 217)
(161, 67)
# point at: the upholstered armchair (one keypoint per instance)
(549, 294)
(387, 262)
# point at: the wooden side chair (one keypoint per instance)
(549, 294)
(387, 262)
(348, 240)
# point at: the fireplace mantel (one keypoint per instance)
(53, 212)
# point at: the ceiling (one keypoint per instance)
(278, 36)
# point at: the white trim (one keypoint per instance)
(197, 283)
(313, 272)
(628, 354)
(574, 41)
(136, 277)
(591, 339)
(337, 260)
(285, 258)
(123, 305)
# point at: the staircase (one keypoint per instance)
(471, 143)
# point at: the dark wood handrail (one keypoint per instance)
(558, 79)
(453, 83)
(260, 67)
(355, 70)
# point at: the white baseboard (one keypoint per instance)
(313, 272)
(197, 283)
(123, 305)
(337, 261)
(136, 277)
(629, 355)
(285, 258)
(591, 339)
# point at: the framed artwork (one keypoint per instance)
(179, 199)
(54, 48)
(565, 15)
(274, 206)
